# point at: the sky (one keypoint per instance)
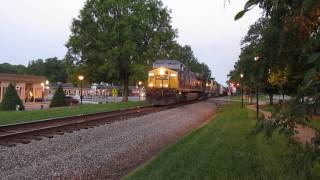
(32, 29)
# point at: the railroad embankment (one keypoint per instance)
(106, 151)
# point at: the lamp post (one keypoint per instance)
(80, 79)
(139, 86)
(257, 89)
(241, 76)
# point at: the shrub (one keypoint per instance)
(11, 99)
(59, 98)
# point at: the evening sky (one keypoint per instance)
(32, 29)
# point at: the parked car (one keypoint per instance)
(71, 101)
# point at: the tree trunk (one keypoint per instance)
(316, 106)
(271, 98)
(250, 97)
(125, 92)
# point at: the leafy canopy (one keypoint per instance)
(110, 39)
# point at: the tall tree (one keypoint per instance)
(53, 68)
(15, 69)
(187, 57)
(111, 38)
(292, 34)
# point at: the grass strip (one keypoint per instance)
(10, 117)
(223, 150)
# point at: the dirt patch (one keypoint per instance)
(304, 134)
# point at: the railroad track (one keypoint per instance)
(24, 133)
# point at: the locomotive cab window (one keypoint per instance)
(163, 78)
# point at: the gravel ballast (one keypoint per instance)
(104, 152)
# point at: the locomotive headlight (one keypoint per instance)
(150, 85)
(162, 71)
(173, 75)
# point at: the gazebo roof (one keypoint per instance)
(22, 78)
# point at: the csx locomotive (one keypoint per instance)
(171, 82)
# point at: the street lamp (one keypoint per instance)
(139, 86)
(241, 76)
(80, 79)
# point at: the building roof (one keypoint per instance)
(21, 78)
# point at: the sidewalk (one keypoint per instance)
(305, 133)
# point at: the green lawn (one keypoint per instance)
(221, 150)
(9, 117)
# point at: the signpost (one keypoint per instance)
(114, 94)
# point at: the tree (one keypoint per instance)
(52, 68)
(11, 99)
(186, 56)
(59, 98)
(111, 38)
(14, 69)
(292, 34)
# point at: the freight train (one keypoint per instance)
(170, 81)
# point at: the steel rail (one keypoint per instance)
(13, 134)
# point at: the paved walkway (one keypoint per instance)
(305, 133)
(36, 106)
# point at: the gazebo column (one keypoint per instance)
(33, 92)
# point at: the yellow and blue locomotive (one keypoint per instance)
(171, 82)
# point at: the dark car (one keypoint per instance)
(71, 101)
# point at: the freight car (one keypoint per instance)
(171, 82)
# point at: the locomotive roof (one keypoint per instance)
(171, 64)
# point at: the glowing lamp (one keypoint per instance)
(161, 71)
(80, 77)
(173, 75)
